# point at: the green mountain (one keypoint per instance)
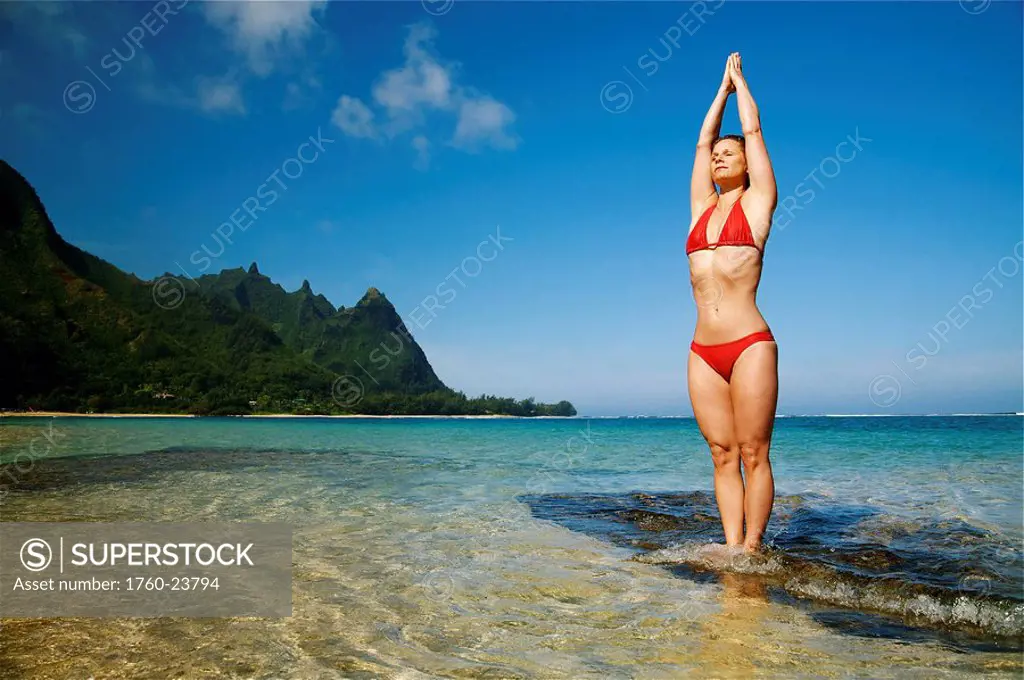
(77, 334)
(371, 333)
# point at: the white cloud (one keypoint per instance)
(301, 93)
(266, 31)
(483, 121)
(211, 95)
(421, 83)
(219, 96)
(353, 117)
(425, 85)
(422, 146)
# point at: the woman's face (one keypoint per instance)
(728, 161)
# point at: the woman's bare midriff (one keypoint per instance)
(725, 282)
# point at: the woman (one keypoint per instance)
(733, 363)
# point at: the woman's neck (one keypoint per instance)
(728, 197)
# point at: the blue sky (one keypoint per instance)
(451, 123)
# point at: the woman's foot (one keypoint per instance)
(752, 547)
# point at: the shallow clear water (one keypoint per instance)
(549, 548)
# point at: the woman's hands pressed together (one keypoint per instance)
(733, 74)
(727, 83)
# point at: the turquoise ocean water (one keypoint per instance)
(562, 548)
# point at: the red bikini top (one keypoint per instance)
(735, 231)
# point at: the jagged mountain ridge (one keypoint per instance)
(367, 338)
(77, 333)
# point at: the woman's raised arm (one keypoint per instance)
(701, 186)
(759, 165)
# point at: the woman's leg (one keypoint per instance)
(712, 407)
(754, 389)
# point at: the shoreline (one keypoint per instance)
(68, 414)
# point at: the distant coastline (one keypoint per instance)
(64, 414)
(67, 414)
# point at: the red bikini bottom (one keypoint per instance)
(723, 357)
